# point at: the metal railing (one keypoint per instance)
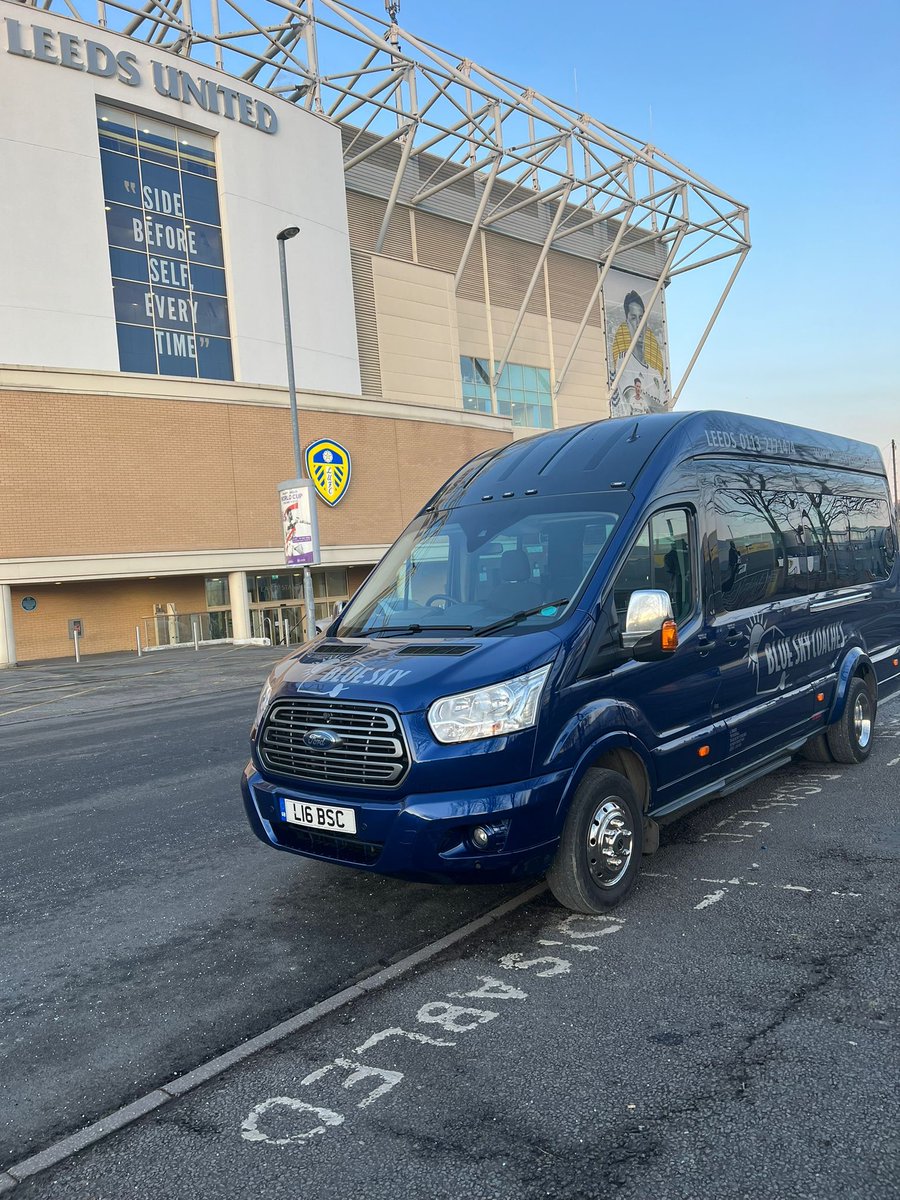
(184, 629)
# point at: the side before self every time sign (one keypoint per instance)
(43, 44)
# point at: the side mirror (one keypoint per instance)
(650, 630)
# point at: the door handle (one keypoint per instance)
(704, 641)
(733, 635)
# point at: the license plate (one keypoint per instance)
(325, 817)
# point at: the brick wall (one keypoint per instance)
(103, 475)
(109, 609)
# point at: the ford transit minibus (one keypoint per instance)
(580, 636)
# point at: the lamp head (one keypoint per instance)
(287, 234)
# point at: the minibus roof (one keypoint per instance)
(610, 455)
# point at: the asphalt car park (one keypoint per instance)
(730, 1031)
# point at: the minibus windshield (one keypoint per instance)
(503, 566)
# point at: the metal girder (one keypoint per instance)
(595, 296)
(458, 119)
(538, 270)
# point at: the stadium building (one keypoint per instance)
(474, 263)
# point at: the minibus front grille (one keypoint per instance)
(326, 845)
(329, 741)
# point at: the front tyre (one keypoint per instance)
(599, 853)
(850, 738)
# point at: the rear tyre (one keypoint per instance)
(599, 854)
(850, 738)
(816, 749)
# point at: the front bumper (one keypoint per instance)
(424, 837)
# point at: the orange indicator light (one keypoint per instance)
(703, 751)
(820, 697)
(669, 636)
(897, 662)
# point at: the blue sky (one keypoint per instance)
(793, 108)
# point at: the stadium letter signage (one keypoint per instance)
(83, 54)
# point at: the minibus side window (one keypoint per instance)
(660, 558)
(752, 554)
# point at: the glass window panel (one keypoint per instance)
(125, 227)
(318, 578)
(336, 586)
(205, 244)
(515, 376)
(503, 406)
(116, 129)
(216, 591)
(176, 351)
(546, 418)
(161, 190)
(214, 355)
(211, 315)
(172, 310)
(121, 178)
(752, 558)
(543, 376)
(136, 349)
(157, 142)
(126, 264)
(532, 416)
(169, 272)
(131, 301)
(467, 369)
(208, 279)
(164, 235)
(482, 371)
(197, 153)
(201, 199)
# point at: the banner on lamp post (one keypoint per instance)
(299, 524)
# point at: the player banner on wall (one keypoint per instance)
(643, 384)
(299, 524)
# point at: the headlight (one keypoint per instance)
(488, 712)
(263, 703)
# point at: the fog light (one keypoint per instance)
(480, 837)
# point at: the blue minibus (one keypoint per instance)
(582, 635)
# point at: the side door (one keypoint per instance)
(766, 642)
(669, 704)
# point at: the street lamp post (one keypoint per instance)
(284, 236)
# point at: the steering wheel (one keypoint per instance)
(441, 596)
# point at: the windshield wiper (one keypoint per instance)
(411, 629)
(520, 616)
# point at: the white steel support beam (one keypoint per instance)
(539, 267)
(709, 324)
(595, 296)
(475, 228)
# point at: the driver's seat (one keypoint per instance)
(517, 588)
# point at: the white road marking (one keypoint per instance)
(712, 898)
(492, 989)
(395, 1031)
(517, 962)
(251, 1132)
(440, 1012)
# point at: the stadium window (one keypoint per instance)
(521, 392)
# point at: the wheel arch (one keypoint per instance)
(622, 753)
(856, 663)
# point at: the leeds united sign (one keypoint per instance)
(83, 54)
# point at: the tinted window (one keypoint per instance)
(659, 559)
(777, 545)
(752, 560)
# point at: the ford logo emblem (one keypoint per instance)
(321, 739)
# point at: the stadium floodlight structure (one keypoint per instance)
(455, 120)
